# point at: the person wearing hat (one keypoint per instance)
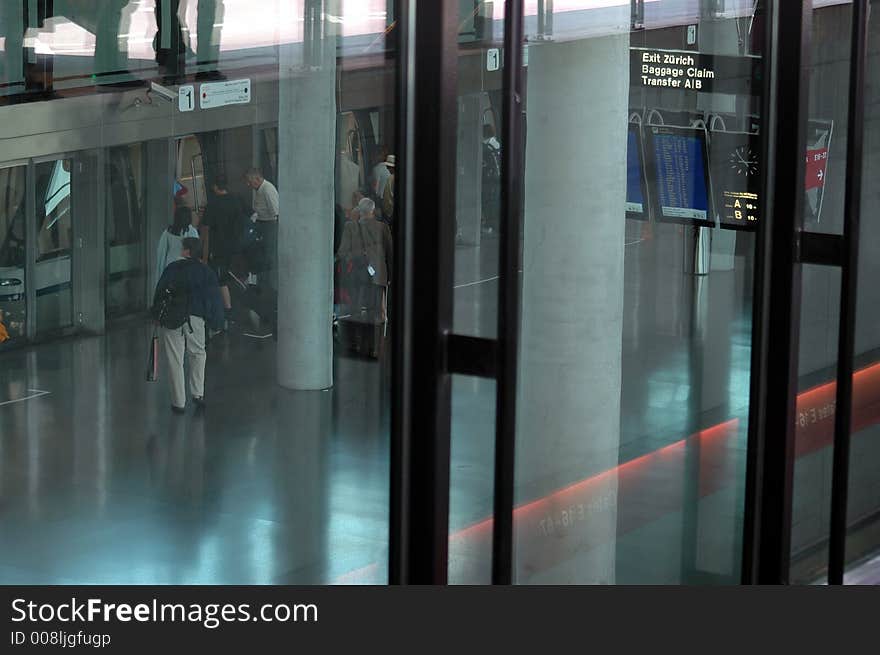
(381, 173)
(388, 191)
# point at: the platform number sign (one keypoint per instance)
(186, 98)
(493, 59)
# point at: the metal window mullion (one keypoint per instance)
(30, 246)
(848, 294)
(776, 324)
(76, 237)
(422, 410)
(401, 300)
(512, 173)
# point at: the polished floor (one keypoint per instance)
(100, 483)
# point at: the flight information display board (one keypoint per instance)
(636, 184)
(678, 179)
(735, 168)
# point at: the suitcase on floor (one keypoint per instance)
(361, 328)
(361, 338)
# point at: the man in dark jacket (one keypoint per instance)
(226, 215)
(194, 286)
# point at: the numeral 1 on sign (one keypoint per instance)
(186, 98)
(493, 59)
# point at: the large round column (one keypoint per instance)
(306, 147)
(572, 308)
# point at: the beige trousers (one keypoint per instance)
(176, 342)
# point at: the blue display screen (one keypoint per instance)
(635, 200)
(681, 176)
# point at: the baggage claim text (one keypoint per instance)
(674, 71)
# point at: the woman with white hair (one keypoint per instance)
(365, 253)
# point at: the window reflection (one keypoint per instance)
(53, 212)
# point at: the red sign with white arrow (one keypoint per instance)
(817, 165)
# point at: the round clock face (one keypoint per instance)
(744, 161)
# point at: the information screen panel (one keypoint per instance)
(636, 184)
(735, 164)
(678, 179)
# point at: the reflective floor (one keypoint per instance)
(101, 483)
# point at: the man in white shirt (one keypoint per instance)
(266, 209)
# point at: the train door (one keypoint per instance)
(39, 244)
(52, 250)
(126, 265)
(13, 253)
(190, 174)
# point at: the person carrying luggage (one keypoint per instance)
(187, 302)
(366, 257)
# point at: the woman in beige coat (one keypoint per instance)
(365, 238)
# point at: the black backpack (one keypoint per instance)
(171, 304)
(253, 247)
(491, 165)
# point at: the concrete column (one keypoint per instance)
(570, 359)
(302, 485)
(306, 146)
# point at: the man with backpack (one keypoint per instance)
(491, 189)
(187, 302)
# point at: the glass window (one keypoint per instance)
(252, 446)
(825, 186)
(53, 271)
(126, 251)
(472, 479)
(863, 509)
(642, 175)
(13, 254)
(478, 176)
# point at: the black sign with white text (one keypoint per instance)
(694, 71)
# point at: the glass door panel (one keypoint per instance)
(825, 194)
(642, 173)
(54, 231)
(863, 503)
(13, 253)
(126, 272)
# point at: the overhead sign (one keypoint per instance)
(221, 94)
(693, 71)
(673, 70)
(186, 98)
